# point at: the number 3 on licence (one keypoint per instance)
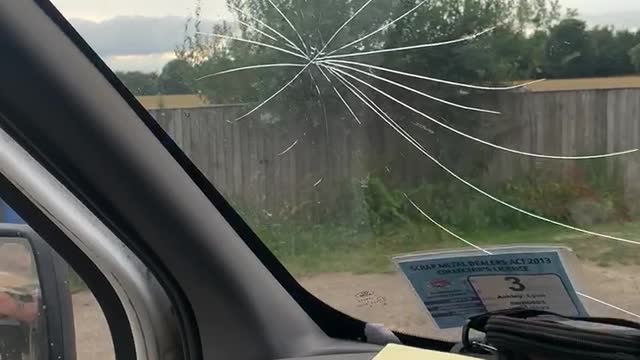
(516, 282)
(540, 292)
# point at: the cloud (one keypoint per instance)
(621, 20)
(106, 9)
(147, 43)
(134, 35)
(594, 7)
(144, 63)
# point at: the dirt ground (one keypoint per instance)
(93, 339)
(387, 298)
(379, 298)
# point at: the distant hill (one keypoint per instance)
(621, 20)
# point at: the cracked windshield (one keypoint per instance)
(412, 163)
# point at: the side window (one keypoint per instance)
(22, 325)
(46, 310)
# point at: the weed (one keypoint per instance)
(385, 223)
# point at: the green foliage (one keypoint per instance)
(176, 78)
(611, 51)
(396, 227)
(540, 13)
(569, 51)
(139, 83)
(386, 208)
(387, 223)
(572, 51)
(530, 41)
(589, 195)
(496, 57)
(492, 58)
(198, 45)
(533, 65)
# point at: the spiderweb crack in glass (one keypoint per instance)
(380, 29)
(289, 148)
(291, 25)
(470, 86)
(376, 109)
(251, 27)
(339, 69)
(286, 39)
(462, 133)
(413, 47)
(417, 91)
(346, 104)
(321, 61)
(415, 143)
(227, 37)
(306, 66)
(252, 67)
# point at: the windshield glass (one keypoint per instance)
(350, 134)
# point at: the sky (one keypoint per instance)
(120, 32)
(104, 9)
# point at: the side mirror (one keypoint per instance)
(36, 312)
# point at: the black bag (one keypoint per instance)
(532, 334)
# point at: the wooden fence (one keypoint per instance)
(289, 165)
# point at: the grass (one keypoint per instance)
(333, 249)
(604, 252)
(326, 249)
(320, 249)
(309, 250)
(386, 224)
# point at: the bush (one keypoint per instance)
(385, 208)
(587, 199)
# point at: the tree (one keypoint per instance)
(495, 57)
(542, 14)
(634, 55)
(198, 47)
(140, 83)
(176, 78)
(611, 51)
(569, 51)
(534, 53)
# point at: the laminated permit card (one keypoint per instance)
(456, 285)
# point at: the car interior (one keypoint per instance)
(176, 270)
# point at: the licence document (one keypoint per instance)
(456, 286)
